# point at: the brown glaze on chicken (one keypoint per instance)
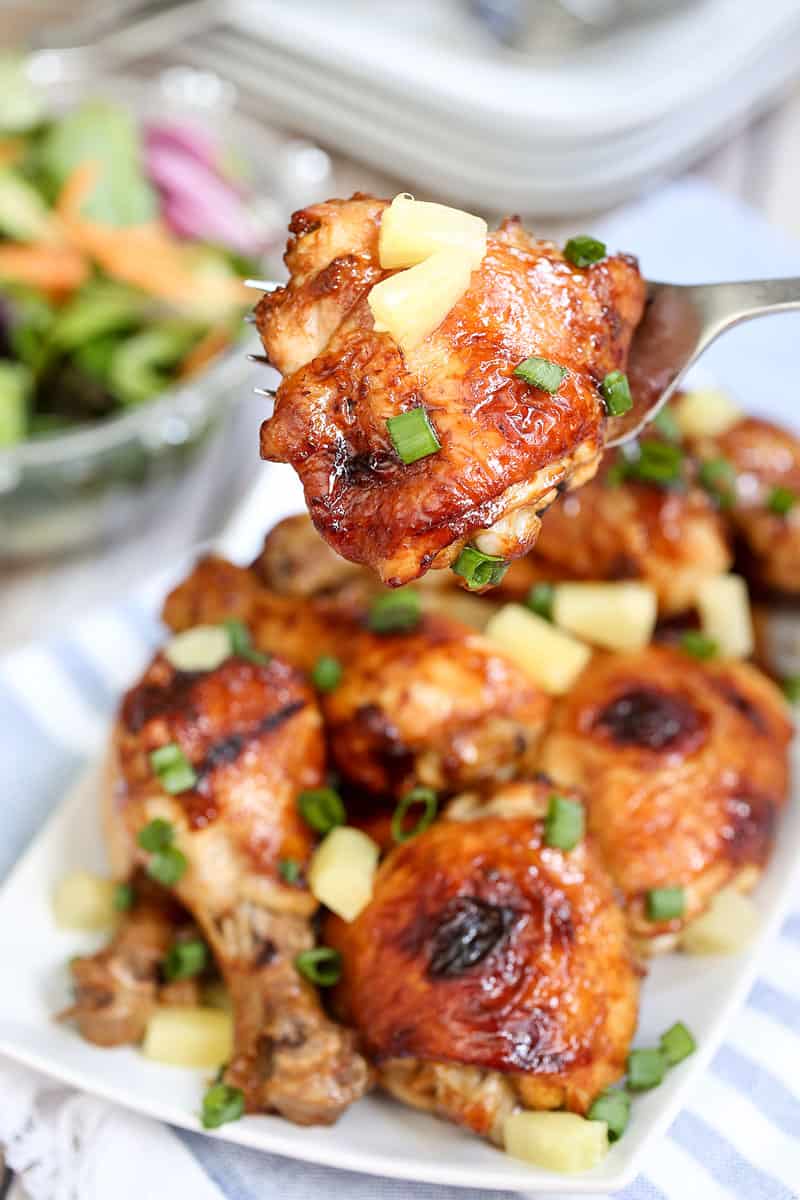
(685, 765)
(505, 445)
(764, 457)
(672, 540)
(253, 735)
(490, 971)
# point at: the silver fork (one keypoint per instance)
(679, 323)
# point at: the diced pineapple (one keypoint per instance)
(412, 303)
(552, 658)
(724, 606)
(730, 922)
(342, 871)
(85, 902)
(189, 1037)
(617, 616)
(202, 648)
(412, 230)
(557, 1141)
(705, 413)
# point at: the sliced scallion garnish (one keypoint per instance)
(665, 904)
(646, 1069)
(564, 824)
(322, 965)
(541, 373)
(791, 689)
(718, 477)
(395, 612)
(289, 870)
(613, 1107)
(185, 959)
(616, 392)
(413, 435)
(583, 250)
(167, 866)
(124, 897)
(326, 673)
(540, 600)
(221, 1104)
(423, 796)
(156, 835)
(242, 643)
(175, 773)
(478, 569)
(677, 1043)
(699, 645)
(781, 501)
(321, 808)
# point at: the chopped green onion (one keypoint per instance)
(791, 689)
(677, 1043)
(413, 436)
(241, 642)
(660, 463)
(699, 645)
(718, 477)
(665, 904)
(541, 373)
(185, 959)
(322, 965)
(617, 473)
(395, 612)
(781, 501)
(289, 870)
(327, 673)
(156, 836)
(175, 772)
(321, 808)
(616, 392)
(667, 425)
(583, 251)
(613, 1107)
(222, 1103)
(479, 569)
(540, 600)
(166, 756)
(167, 866)
(564, 824)
(124, 897)
(646, 1069)
(418, 795)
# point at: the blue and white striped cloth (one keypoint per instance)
(740, 1134)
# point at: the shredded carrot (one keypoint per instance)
(57, 270)
(209, 346)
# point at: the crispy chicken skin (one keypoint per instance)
(764, 456)
(505, 445)
(253, 735)
(685, 765)
(489, 971)
(672, 540)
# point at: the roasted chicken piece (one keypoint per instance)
(765, 508)
(506, 446)
(118, 988)
(490, 971)
(671, 539)
(685, 766)
(251, 735)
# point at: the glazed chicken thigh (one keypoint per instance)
(248, 737)
(506, 446)
(490, 971)
(685, 767)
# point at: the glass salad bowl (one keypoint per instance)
(63, 490)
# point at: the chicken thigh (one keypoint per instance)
(506, 446)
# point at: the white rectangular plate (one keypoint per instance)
(376, 1136)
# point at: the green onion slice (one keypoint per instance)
(221, 1104)
(677, 1043)
(413, 435)
(541, 373)
(564, 824)
(289, 870)
(665, 904)
(616, 392)
(646, 1069)
(667, 425)
(613, 1107)
(540, 600)
(659, 463)
(242, 644)
(322, 965)
(781, 501)
(478, 569)
(791, 689)
(718, 477)
(395, 612)
(321, 808)
(166, 756)
(424, 796)
(157, 835)
(124, 897)
(699, 645)
(174, 771)
(185, 959)
(167, 866)
(326, 673)
(583, 251)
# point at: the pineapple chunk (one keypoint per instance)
(726, 927)
(705, 413)
(412, 303)
(342, 871)
(412, 230)
(85, 902)
(617, 616)
(724, 606)
(202, 648)
(557, 1141)
(552, 658)
(189, 1037)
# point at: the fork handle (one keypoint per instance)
(724, 305)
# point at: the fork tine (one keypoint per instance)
(262, 285)
(269, 392)
(260, 358)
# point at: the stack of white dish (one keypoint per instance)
(423, 92)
